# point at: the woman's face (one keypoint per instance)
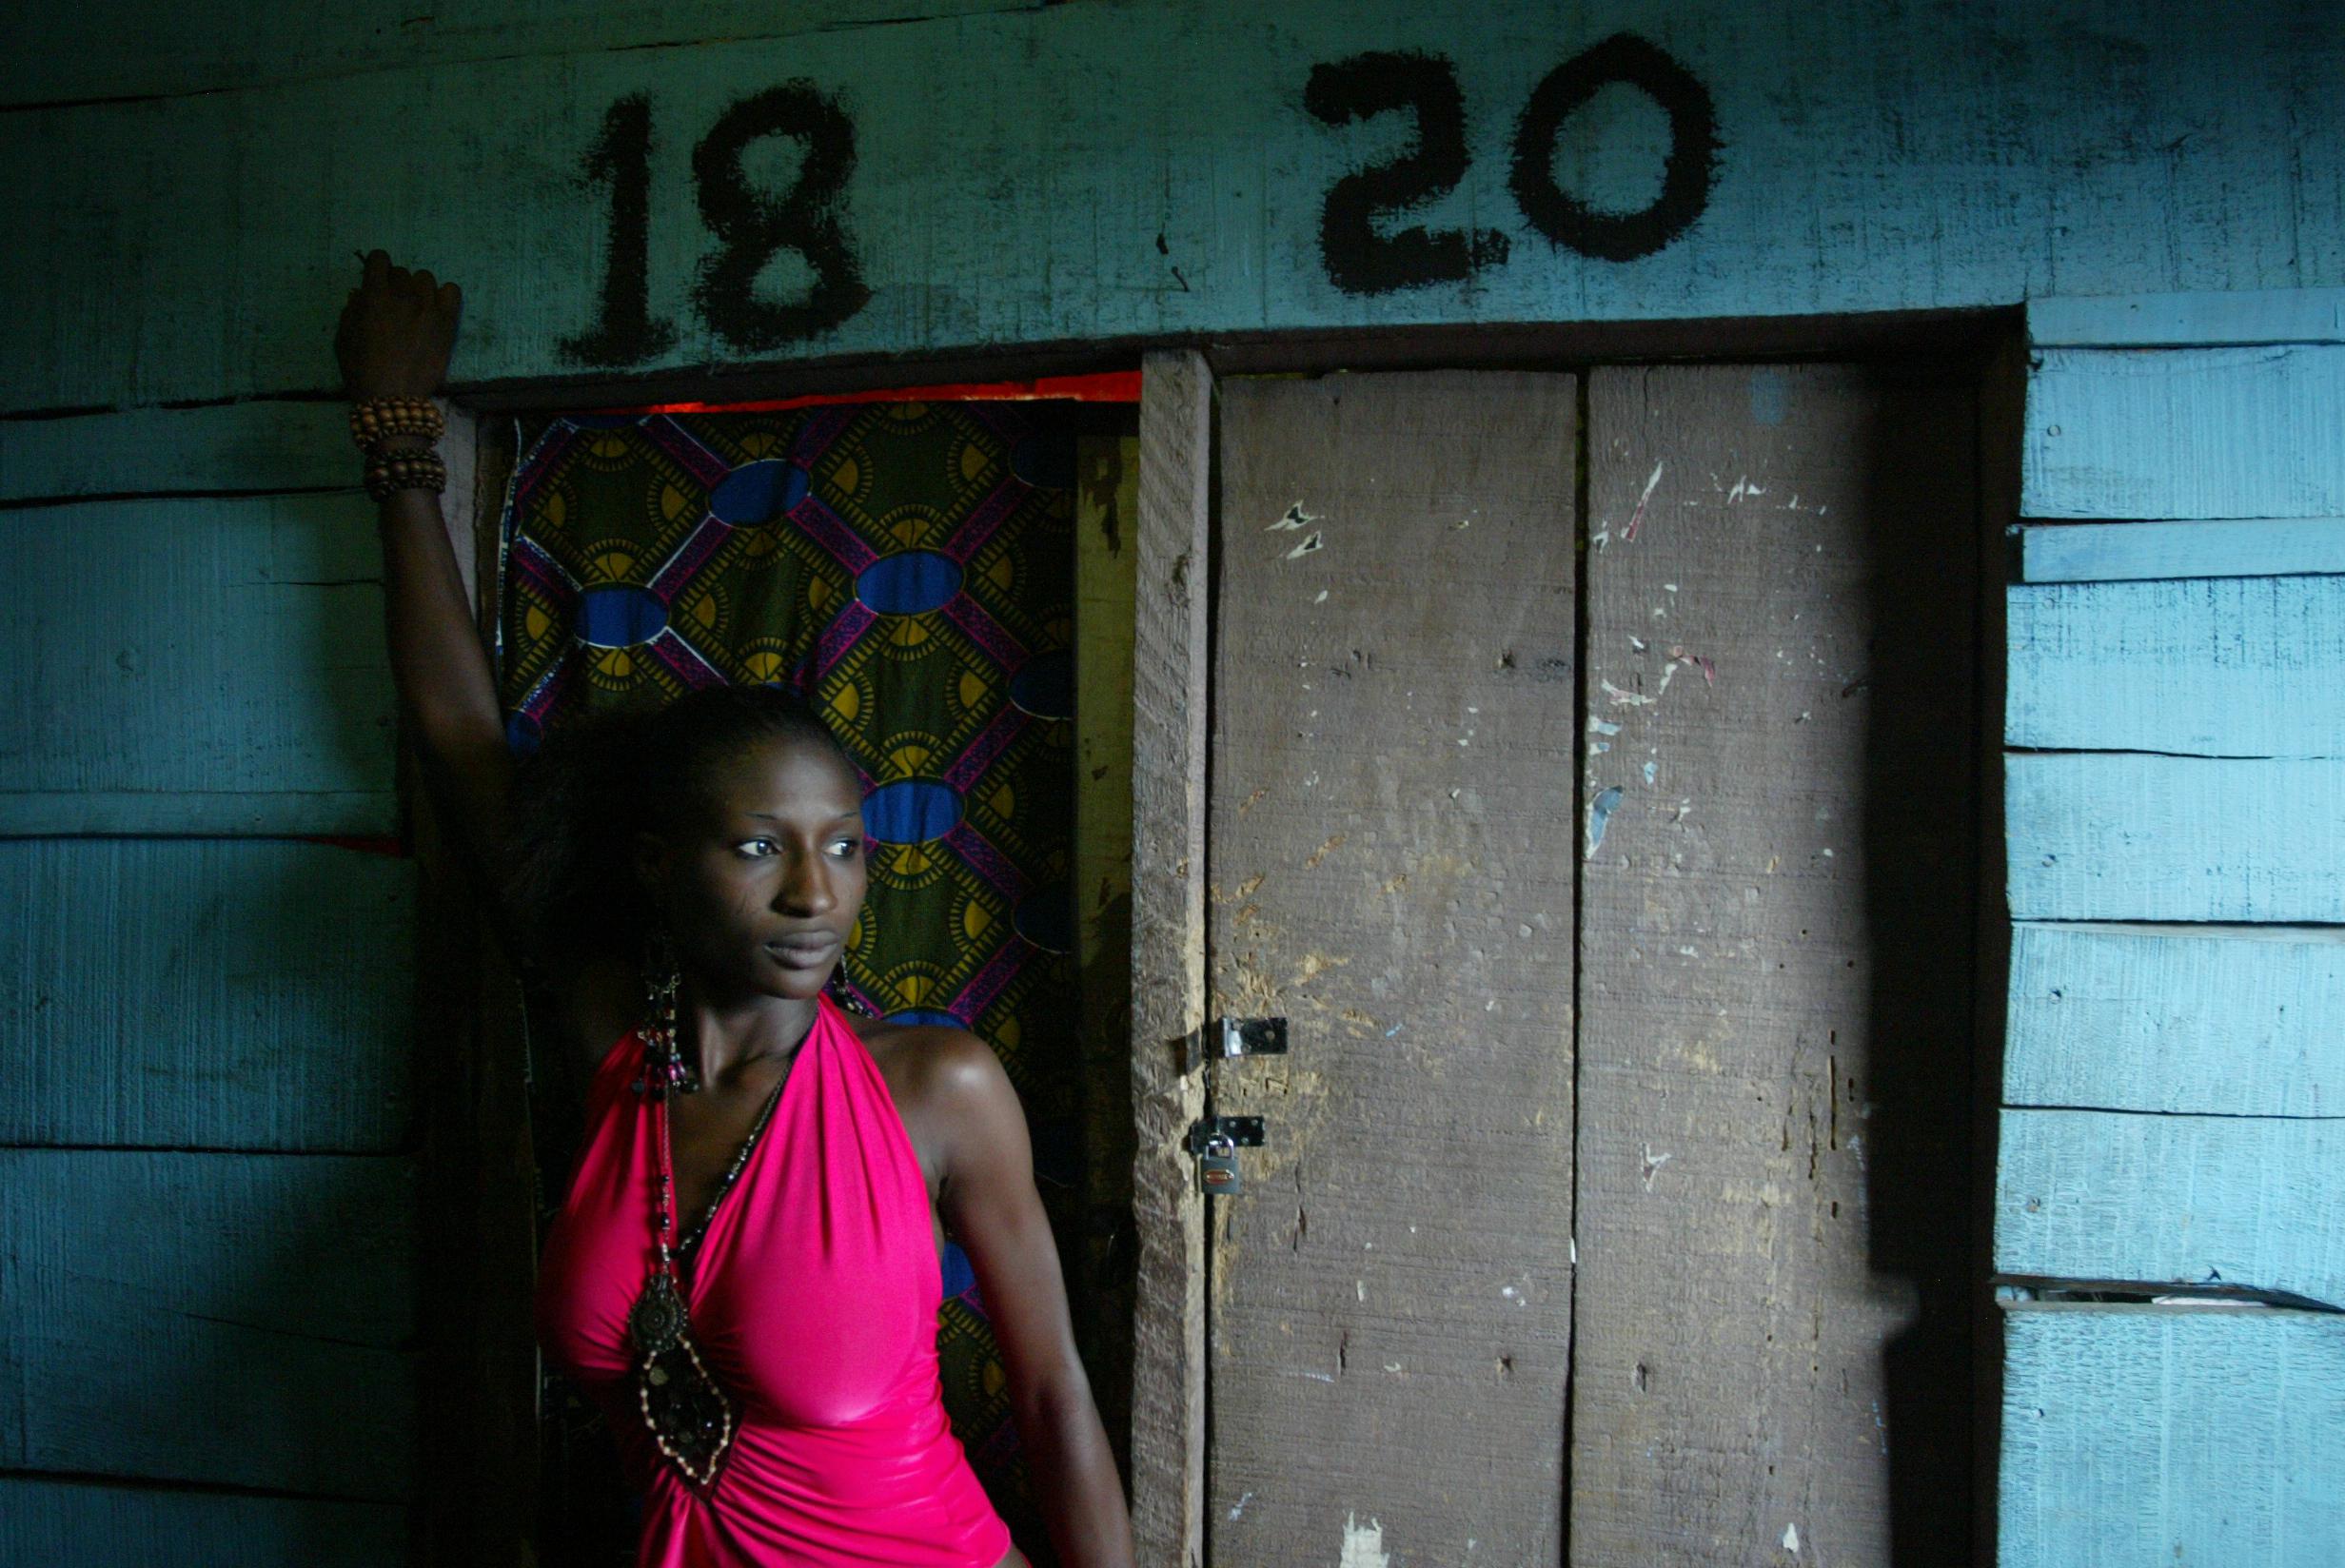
(762, 890)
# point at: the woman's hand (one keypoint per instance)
(397, 331)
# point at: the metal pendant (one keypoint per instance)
(657, 1322)
(690, 1418)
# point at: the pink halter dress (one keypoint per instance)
(813, 1297)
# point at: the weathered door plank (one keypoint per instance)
(1392, 871)
(1775, 1261)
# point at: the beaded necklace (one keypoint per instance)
(689, 1414)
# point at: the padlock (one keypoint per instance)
(1218, 1171)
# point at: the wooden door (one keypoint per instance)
(1759, 988)
(1390, 854)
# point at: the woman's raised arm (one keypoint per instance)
(394, 341)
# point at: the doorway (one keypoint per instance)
(1591, 784)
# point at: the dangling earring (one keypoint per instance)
(843, 993)
(664, 1068)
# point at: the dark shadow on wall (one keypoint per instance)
(1916, 1107)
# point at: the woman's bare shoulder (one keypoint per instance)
(939, 1074)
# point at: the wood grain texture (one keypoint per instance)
(1392, 1294)
(1106, 581)
(97, 1527)
(2222, 667)
(267, 444)
(2229, 547)
(2186, 433)
(199, 246)
(2239, 1021)
(211, 994)
(236, 1319)
(2203, 319)
(1168, 957)
(2119, 836)
(1773, 1330)
(2163, 1437)
(120, 49)
(195, 667)
(2250, 1202)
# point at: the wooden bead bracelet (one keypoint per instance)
(379, 418)
(387, 472)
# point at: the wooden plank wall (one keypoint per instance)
(2173, 1086)
(206, 1220)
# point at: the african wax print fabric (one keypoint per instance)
(908, 568)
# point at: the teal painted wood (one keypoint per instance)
(2118, 836)
(2205, 318)
(269, 444)
(2231, 547)
(2252, 1202)
(122, 49)
(2219, 667)
(231, 650)
(235, 1319)
(2185, 433)
(209, 994)
(96, 1526)
(1015, 171)
(2242, 1021)
(2212, 1437)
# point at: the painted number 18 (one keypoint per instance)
(750, 226)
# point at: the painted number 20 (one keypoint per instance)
(752, 227)
(1362, 260)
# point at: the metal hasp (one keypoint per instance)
(1253, 1036)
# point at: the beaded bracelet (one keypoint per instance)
(387, 472)
(378, 417)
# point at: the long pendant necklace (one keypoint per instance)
(690, 1418)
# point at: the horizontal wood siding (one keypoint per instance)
(2228, 667)
(209, 994)
(232, 1318)
(1015, 173)
(96, 1526)
(69, 54)
(268, 445)
(2186, 433)
(2247, 1201)
(2241, 1021)
(2185, 319)
(195, 667)
(2174, 1065)
(2123, 836)
(2155, 1437)
(2228, 547)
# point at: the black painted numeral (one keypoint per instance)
(623, 330)
(752, 227)
(1685, 180)
(1360, 260)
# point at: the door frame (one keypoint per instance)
(1172, 648)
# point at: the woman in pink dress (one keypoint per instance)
(745, 1272)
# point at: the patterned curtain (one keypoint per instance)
(908, 567)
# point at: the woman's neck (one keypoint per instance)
(728, 1034)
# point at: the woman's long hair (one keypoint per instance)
(600, 779)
